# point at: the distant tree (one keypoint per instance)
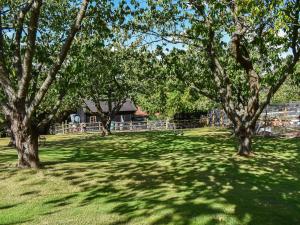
(106, 71)
(107, 80)
(288, 92)
(160, 89)
(237, 53)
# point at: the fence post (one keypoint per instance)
(167, 124)
(99, 126)
(131, 128)
(221, 121)
(63, 127)
(67, 127)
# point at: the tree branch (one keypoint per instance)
(30, 48)
(242, 56)
(54, 110)
(6, 83)
(220, 76)
(4, 74)
(1, 39)
(118, 105)
(19, 29)
(35, 75)
(204, 93)
(295, 30)
(60, 59)
(288, 69)
(6, 109)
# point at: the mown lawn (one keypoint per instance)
(153, 178)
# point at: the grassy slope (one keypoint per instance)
(153, 178)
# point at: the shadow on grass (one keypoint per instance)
(18, 222)
(160, 178)
(7, 206)
(183, 179)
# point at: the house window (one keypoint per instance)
(93, 119)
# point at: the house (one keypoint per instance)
(139, 114)
(128, 112)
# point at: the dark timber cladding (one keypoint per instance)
(128, 106)
(126, 112)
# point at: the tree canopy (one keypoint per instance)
(168, 55)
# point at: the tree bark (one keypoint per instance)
(107, 127)
(106, 123)
(26, 144)
(244, 137)
(244, 148)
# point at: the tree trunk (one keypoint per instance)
(244, 137)
(106, 123)
(27, 146)
(244, 148)
(107, 127)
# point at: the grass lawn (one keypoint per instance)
(153, 178)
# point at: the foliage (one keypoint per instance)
(105, 74)
(288, 92)
(237, 53)
(55, 20)
(35, 40)
(106, 78)
(161, 90)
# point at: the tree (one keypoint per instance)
(161, 91)
(25, 74)
(107, 80)
(237, 53)
(288, 92)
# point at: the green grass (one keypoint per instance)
(153, 178)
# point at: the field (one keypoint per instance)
(153, 178)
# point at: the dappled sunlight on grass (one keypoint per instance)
(153, 178)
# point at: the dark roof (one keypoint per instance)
(128, 106)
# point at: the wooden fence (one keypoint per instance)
(115, 127)
(134, 126)
(273, 126)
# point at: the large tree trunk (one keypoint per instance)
(244, 137)
(244, 148)
(27, 145)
